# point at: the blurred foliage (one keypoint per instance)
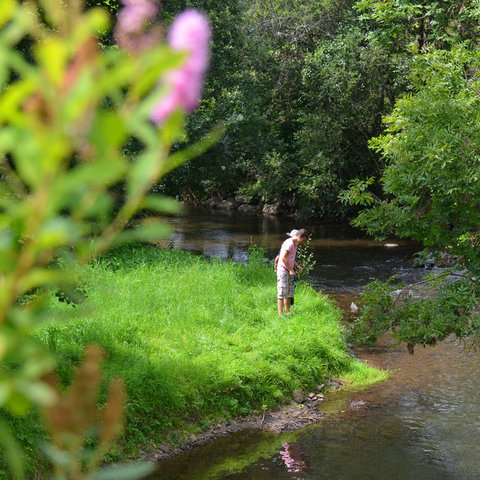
(73, 416)
(69, 109)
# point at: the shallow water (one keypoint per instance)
(424, 423)
(345, 259)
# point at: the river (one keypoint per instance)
(424, 423)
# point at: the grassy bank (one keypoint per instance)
(197, 339)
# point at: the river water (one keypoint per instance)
(345, 258)
(424, 423)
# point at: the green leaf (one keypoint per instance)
(148, 231)
(152, 65)
(127, 471)
(3, 350)
(52, 54)
(162, 204)
(38, 361)
(6, 11)
(6, 389)
(96, 20)
(56, 232)
(12, 452)
(18, 404)
(39, 277)
(57, 456)
(141, 171)
(101, 172)
(38, 392)
(108, 132)
(182, 156)
(87, 183)
(12, 98)
(120, 70)
(173, 128)
(101, 208)
(83, 95)
(27, 156)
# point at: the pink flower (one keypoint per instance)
(132, 24)
(190, 32)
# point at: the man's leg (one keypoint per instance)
(286, 303)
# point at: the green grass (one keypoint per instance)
(195, 339)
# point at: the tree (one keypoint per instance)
(431, 189)
(290, 136)
(349, 83)
(411, 25)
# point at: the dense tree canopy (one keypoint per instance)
(296, 125)
(302, 87)
(430, 193)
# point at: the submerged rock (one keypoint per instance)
(247, 209)
(358, 404)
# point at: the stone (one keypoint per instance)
(271, 209)
(358, 404)
(228, 204)
(248, 209)
(298, 396)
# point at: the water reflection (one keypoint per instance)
(292, 457)
(422, 424)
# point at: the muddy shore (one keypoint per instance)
(302, 411)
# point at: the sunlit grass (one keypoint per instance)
(197, 339)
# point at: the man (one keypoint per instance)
(285, 269)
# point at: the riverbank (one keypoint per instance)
(242, 205)
(300, 412)
(196, 341)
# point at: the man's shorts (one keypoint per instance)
(285, 287)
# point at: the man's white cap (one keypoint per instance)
(293, 233)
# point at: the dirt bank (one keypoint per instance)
(301, 412)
